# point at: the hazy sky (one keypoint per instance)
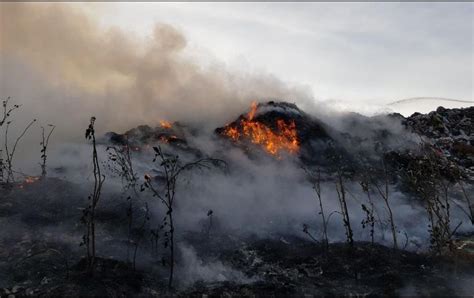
(170, 58)
(370, 52)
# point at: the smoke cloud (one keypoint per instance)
(61, 63)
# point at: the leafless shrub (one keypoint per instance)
(384, 194)
(470, 205)
(6, 163)
(6, 114)
(458, 180)
(171, 168)
(140, 233)
(121, 164)
(438, 209)
(307, 232)
(154, 239)
(7, 110)
(316, 181)
(121, 158)
(368, 210)
(44, 147)
(341, 194)
(88, 218)
(10, 154)
(427, 180)
(209, 227)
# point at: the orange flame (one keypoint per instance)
(31, 179)
(232, 133)
(165, 124)
(285, 138)
(28, 180)
(166, 139)
(253, 110)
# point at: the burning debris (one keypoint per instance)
(281, 128)
(31, 179)
(166, 124)
(143, 137)
(273, 141)
(28, 180)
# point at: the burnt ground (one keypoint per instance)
(297, 267)
(40, 256)
(275, 267)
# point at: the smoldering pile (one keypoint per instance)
(282, 129)
(144, 136)
(451, 131)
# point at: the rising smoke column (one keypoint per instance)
(58, 59)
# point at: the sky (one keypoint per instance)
(165, 59)
(372, 53)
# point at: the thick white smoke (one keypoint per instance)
(63, 67)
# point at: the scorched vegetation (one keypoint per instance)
(168, 211)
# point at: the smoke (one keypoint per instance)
(267, 197)
(459, 285)
(193, 269)
(64, 67)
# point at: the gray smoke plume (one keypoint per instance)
(64, 67)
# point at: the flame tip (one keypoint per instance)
(166, 124)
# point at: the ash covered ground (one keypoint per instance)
(276, 202)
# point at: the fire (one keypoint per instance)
(165, 124)
(232, 133)
(285, 137)
(253, 110)
(28, 180)
(167, 139)
(31, 179)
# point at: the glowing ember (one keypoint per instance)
(285, 137)
(28, 180)
(232, 133)
(31, 179)
(167, 139)
(165, 124)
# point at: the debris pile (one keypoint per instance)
(451, 131)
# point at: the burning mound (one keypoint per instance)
(145, 136)
(273, 138)
(280, 128)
